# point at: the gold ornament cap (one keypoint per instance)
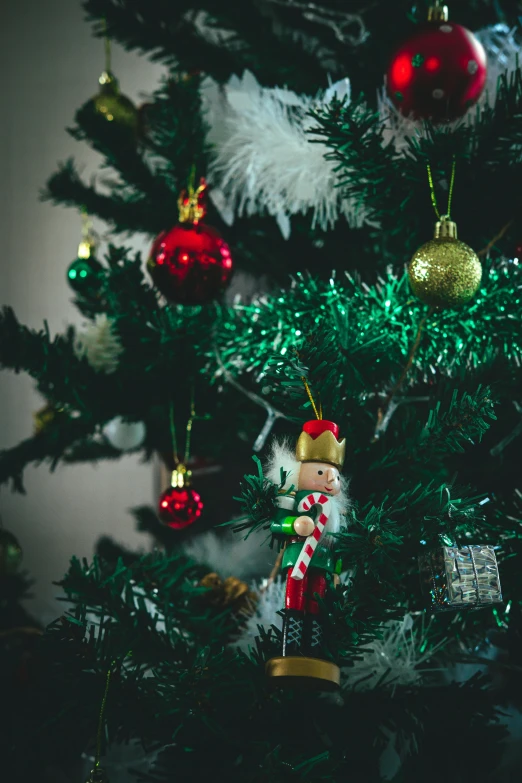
(181, 476)
(445, 229)
(86, 249)
(108, 82)
(191, 203)
(438, 13)
(319, 442)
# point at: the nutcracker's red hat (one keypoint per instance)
(319, 442)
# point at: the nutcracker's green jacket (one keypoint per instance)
(282, 525)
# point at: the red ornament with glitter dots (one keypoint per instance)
(190, 263)
(438, 73)
(179, 507)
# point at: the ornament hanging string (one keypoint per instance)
(107, 49)
(189, 426)
(86, 223)
(101, 722)
(188, 432)
(96, 770)
(89, 238)
(433, 195)
(173, 434)
(317, 411)
(101, 719)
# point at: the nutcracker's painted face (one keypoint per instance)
(319, 476)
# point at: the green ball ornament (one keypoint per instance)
(10, 553)
(83, 275)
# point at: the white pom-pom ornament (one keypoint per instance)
(100, 344)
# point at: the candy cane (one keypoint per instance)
(309, 546)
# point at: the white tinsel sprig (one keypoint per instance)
(396, 657)
(263, 156)
(100, 345)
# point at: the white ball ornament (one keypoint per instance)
(124, 435)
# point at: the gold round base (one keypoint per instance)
(299, 671)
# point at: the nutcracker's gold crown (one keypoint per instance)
(324, 448)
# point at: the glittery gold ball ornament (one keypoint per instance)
(114, 106)
(445, 272)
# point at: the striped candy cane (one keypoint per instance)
(309, 546)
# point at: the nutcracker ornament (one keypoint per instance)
(439, 72)
(190, 264)
(311, 505)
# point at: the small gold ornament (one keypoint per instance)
(114, 106)
(43, 418)
(445, 272)
(229, 592)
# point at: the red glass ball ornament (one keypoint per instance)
(438, 73)
(179, 507)
(190, 264)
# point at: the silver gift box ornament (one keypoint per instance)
(460, 577)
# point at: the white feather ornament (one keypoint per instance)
(264, 158)
(100, 345)
(271, 599)
(232, 555)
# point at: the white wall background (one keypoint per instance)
(50, 65)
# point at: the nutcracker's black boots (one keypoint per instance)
(293, 632)
(313, 642)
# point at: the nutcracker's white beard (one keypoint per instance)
(282, 455)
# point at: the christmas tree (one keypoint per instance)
(331, 193)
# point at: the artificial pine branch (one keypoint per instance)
(122, 213)
(172, 34)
